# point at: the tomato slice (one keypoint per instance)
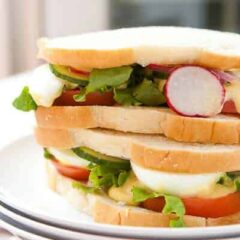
(74, 70)
(96, 98)
(202, 207)
(229, 107)
(75, 173)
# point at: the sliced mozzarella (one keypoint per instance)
(68, 157)
(177, 184)
(44, 86)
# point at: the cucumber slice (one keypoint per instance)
(63, 72)
(102, 159)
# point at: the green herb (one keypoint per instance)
(148, 93)
(102, 176)
(24, 101)
(125, 97)
(84, 188)
(173, 204)
(81, 96)
(102, 79)
(122, 178)
(47, 154)
(140, 194)
(230, 179)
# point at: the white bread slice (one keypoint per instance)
(154, 152)
(105, 210)
(144, 45)
(224, 129)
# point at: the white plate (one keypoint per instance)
(47, 230)
(18, 231)
(23, 187)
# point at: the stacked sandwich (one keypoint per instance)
(140, 126)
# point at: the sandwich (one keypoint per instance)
(141, 126)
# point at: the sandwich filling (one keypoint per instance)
(209, 195)
(188, 90)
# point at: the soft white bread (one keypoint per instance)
(105, 210)
(154, 152)
(144, 45)
(224, 129)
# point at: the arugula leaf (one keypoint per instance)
(47, 154)
(102, 79)
(173, 204)
(84, 188)
(125, 97)
(103, 176)
(24, 101)
(148, 93)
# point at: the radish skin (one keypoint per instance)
(194, 91)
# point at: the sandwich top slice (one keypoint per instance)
(193, 72)
(119, 177)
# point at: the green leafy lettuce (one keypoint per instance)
(24, 101)
(125, 97)
(104, 177)
(148, 93)
(105, 79)
(83, 187)
(47, 154)
(173, 204)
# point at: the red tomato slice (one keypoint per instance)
(202, 207)
(96, 98)
(229, 107)
(75, 173)
(74, 70)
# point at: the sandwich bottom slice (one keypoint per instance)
(119, 189)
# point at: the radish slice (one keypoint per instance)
(194, 91)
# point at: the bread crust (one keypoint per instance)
(104, 210)
(146, 45)
(221, 129)
(151, 152)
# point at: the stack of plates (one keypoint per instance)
(30, 210)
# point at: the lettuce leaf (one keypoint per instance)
(173, 204)
(84, 187)
(24, 101)
(104, 177)
(104, 80)
(148, 93)
(125, 97)
(47, 154)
